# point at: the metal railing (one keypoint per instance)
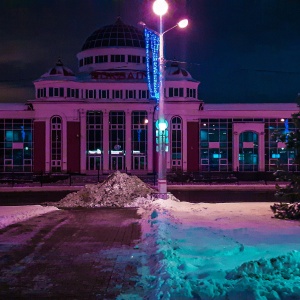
(173, 178)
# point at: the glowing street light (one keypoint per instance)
(160, 8)
(183, 23)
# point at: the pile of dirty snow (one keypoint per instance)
(118, 190)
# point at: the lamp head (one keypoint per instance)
(183, 23)
(162, 126)
(160, 7)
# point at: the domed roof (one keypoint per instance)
(115, 35)
(176, 72)
(59, 70)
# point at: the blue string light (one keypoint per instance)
(152, 45)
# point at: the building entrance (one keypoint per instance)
(94, 163)
(139, 163)
(248, 151)
(117, 162)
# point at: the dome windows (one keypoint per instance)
(117, 58)
(99, 59)
(116, 35)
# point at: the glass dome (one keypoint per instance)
(116, 35)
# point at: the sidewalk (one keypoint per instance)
(72, 254)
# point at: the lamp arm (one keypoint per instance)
(169, 29)
(157, 33)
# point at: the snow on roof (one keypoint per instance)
(253, 106)
(13, 106)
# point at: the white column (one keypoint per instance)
(150, 136)
(235, 150)
(261, 150)
(128, 155)
(48, 145)
(168, 154)
(184, 143)
(64, 140)
(105, 141)
(83, 154)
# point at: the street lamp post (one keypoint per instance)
(160, 8)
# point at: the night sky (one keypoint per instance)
(240, 50)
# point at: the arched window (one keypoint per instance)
(56, 144)
(139, 137)
(176, 143)
(94, 140)
(248, 151)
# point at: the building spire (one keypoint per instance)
(59, 62)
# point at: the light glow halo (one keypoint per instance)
(160, 7)
(183, 23)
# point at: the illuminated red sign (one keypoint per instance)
(118, 75)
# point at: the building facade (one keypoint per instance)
(102, 119)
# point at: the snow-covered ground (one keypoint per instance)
(220, 251)
(209, 251)
(14, 214)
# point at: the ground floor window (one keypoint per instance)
(215, 143)
(94, 163)
(176, 143)
(117, 131)
(139, 139)
(94, 140)
(16, 145)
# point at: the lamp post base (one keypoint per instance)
(162, 188)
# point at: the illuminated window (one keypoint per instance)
(276, 156)
(16, 145)
(215, 145)
(139, 137)
(117, 139)
(56, 144)
(94, 140)
(176, 142)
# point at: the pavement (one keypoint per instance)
(79, 253)
(71, 254)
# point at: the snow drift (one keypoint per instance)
(208, 251)
(118, 190)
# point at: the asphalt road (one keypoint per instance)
(218, 196)
(189, 195)
(71, 254)
(31, 197)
